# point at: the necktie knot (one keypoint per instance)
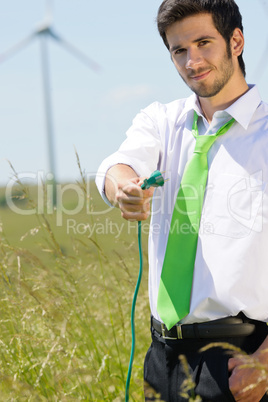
(203, 143)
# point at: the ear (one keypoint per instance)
(237, 42)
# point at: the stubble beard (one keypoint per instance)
(226, 71)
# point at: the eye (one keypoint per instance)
(179, 51)
(203, 43)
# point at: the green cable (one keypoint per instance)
(155, 180)
(133, 315)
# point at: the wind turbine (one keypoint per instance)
(44, 31)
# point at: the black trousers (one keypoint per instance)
(166, 377)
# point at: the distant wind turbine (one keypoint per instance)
(44, 31)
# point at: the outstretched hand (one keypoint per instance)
(134, 202)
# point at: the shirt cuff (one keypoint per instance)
(115, 159)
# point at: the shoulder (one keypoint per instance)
(261, 116)
(165, 112)
(172, 108)
(264, 107)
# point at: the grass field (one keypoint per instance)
(68, 276)
(67, 282)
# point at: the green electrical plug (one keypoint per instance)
(155, 180)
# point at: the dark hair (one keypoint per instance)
(225, 13)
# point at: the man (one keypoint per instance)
(205, 40)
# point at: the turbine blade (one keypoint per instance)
(75, 51)
(16, 48)
(49, 13)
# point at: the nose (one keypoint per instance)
(194, 59)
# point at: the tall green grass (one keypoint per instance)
(65, 305)
(65, 302)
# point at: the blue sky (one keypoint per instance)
(92, 111)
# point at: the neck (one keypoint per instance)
(222, 100)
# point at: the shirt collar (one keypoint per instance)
(242, 110)
(191, 104)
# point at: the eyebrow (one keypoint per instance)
(176, 47)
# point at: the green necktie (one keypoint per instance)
(173, 302)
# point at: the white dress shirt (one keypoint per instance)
(231, 267)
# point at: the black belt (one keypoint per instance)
(222, 328)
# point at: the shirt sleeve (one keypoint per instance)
(141, 150)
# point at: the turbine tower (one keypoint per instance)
(44, 31)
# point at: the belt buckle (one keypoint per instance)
(179, 333)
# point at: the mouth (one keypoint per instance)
(200, 76)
